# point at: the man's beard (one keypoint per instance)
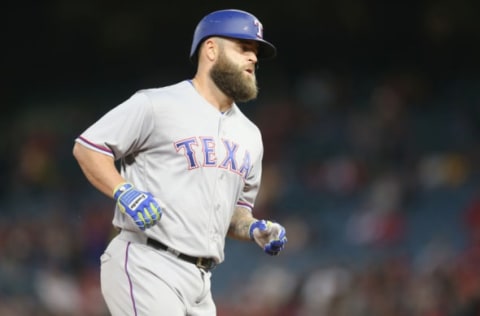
(230, 79)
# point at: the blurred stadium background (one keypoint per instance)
(371, 123)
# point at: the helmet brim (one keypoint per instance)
(266, 50)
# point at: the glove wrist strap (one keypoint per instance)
(256, 224)
(121, 188)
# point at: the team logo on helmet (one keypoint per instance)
(259, 28)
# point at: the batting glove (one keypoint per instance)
(140, 206)
(268, 235)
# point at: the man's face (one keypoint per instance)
(234, 79)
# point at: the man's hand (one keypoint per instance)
(270, 236)
(140, 206)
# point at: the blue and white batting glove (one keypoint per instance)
(268, 235)
(140, 206)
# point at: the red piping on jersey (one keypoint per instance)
(102, 148)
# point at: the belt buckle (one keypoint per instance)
(206, 264)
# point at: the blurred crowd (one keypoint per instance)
(349, 170)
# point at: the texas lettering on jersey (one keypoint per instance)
(203, 149)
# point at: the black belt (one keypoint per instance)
(202, 263)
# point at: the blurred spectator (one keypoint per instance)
(381, 221)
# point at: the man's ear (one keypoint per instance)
(210, 47)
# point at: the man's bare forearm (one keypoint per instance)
(240, 224)
(98, 168)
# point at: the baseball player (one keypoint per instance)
(190, 168)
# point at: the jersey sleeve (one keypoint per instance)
(122, 130)
(252, 185)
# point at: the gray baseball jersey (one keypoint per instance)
(198, 163)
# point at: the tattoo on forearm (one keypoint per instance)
(243, 229)
(240, 225)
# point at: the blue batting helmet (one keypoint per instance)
(233, 24)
